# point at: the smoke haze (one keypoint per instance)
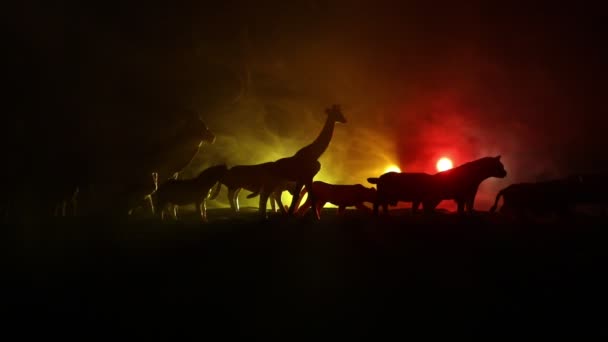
(416, 82)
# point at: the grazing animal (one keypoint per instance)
(591, 189)
(176, 192)
(459, 184)
(275, 196)
(252, 178)
(303, 165)
(523, 199)
(559, 196)
(394, 187)
(341, 195)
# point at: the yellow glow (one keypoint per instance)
(392, 168)
(444, 164)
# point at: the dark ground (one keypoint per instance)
(353, 277)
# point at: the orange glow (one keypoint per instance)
(392, 168)
(444, 164)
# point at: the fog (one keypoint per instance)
(416, 82)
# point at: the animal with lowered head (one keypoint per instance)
(459, 184)
(337, 194)
(176, 192)
(394, 187)
(252, 178)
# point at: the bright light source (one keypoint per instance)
(444, 164)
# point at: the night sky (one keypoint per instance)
(417, 81)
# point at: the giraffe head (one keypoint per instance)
(334, 113)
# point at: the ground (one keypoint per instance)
(347, 277)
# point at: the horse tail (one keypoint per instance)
(498, 196)
(215, 191)
(373, 180)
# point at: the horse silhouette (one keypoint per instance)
(459, 184)
(176, 192)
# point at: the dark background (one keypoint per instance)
(89, 84)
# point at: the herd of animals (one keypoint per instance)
(165, 190)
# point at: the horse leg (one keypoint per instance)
(460, 204)
(415, 206)
(362, 207)
(385, 208)
(469, 203)
(280, 204)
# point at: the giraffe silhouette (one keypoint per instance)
(303, 165)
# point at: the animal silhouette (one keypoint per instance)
(176, 192)
(394, 187)
(252, 178)
(275, 196)
(532, 199)
(140, 202)
(68, 205)
(459, 184)
(127, 177)
(341, 195)
(303, 165)
(591, 188)
(559, 196)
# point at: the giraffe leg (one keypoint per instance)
(202, 207)
(272, 204)
(296, 196)
(302, 210)
(231, 193)
(263, 201)
(280, 204)
(313, 198)
(236, 200)
(318, 208)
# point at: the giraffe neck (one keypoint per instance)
(315, 149)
